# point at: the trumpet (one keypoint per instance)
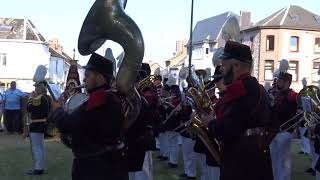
(146, 82)
(286, 126)
(309, 95)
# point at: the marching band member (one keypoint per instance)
(285, 107)
(172, 123)
(213, 169)
(96, 126)
(317, 149)
(139, 137)
(304, 141)
(241, 118)
(164, 111)
(39, 107)
(189, 157)
(158, 86)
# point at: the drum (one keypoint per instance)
(75, 101)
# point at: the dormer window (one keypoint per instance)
(294, 17)
(317, 18)
(5, 28)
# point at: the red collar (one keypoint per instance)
(244, 76)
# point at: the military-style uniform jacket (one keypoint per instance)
(152, 98)
(173, 122)
(39, 108)
(317, 145)
(285, 106)
(242, 107)
(96, 128)
(139, 138)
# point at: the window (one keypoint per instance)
(294, 44)
(207, 50)
(270, 43)
(251, 44)
(315, 72)
(317, 45)
(5, 28)
(268, 70)
(294, 70)
(3, 59)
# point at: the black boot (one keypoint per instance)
(35, 172)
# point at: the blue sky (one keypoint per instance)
(162, 22)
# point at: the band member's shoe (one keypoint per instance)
(186, 178)
(164, 158)
(302, 153)
(35, 172)
(171, 165)
(311, 171)
(183, 175)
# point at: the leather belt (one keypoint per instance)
(38, 120)
(255, 131)
(105, 149)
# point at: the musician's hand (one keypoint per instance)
(55, 105)
(206, 119)
(33, 94)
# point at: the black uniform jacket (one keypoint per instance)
(285, 106)
(39, 108)
(243, 106)
(139, 138)
(95, 127)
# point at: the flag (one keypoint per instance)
(73, 79)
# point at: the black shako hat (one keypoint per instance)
(285, 76)
(100, 64)
(237, 51)
(41, 83)
(217, 76)
(175, 89)
(144, 71)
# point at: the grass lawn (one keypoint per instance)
(16, 159)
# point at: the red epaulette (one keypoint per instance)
(234, 91)
(149, 96)
(175, 101)
(292, 96)
(96, 99)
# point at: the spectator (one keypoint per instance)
(1, 107)
(12, 109)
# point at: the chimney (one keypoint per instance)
(54, 44)
(245, 19)
(178, 46)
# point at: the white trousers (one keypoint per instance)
(213, 173)
(280, 149)
(304, 141)
(318, 175)
(147, 169)
(314, 155)
(164, 144)
(203, 165)
(37, 147)
(157, 143)
(173, 147)
(189, 159)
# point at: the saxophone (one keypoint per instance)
(203, 106)
(107, 20)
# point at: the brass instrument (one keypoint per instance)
(310, 114)
(203, 106)
(107, 20)
(146, 82)
(201, 99)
